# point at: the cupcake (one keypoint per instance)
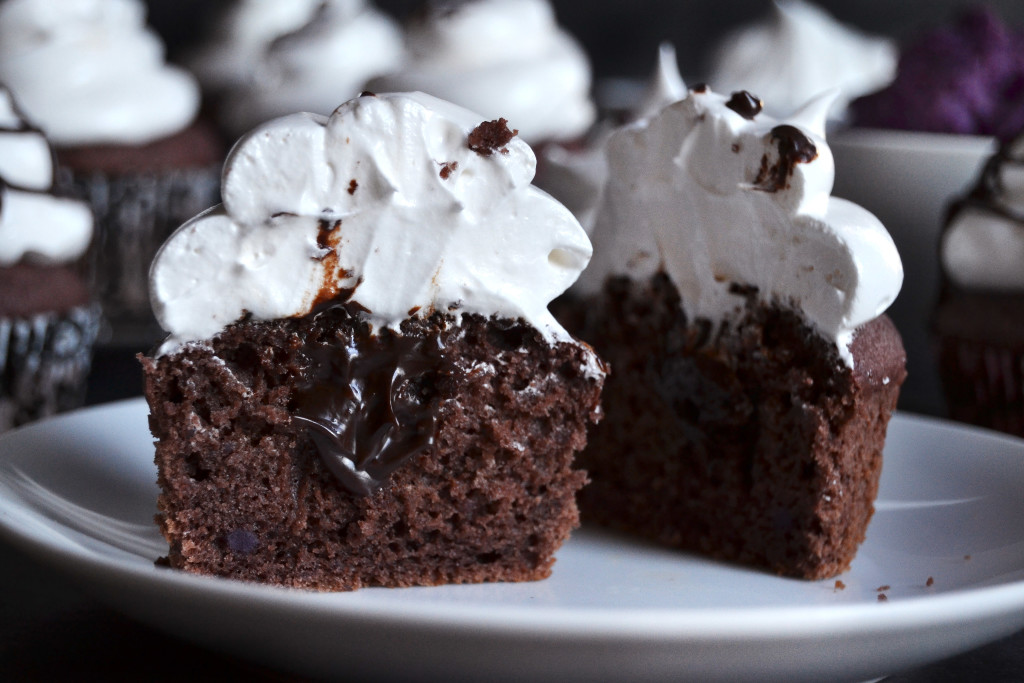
(799, 52)
(122, 122)
(47, 321)
(979, 320)
(502, 58)
(377, 394)
(740, 307)
(267, 58)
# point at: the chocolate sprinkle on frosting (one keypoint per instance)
(745, 104)
(491, 136)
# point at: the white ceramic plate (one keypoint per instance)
(78, 492)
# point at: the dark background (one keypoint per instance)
(622, 36)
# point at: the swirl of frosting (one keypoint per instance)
(800, 52)
(982, 246)
(34, 225)
(716, 194)
(90, 72)
(405, 203)
(576, 175)
(501, 58)
(310, 56)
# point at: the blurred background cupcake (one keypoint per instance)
(979, 321)
(266, 58)
(48, 322)
(123, 124)
(499, 58)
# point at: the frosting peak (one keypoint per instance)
(800, 52)
(387, 200)
(500, 58)
(90, 72)
(716, 197)
(34, 225)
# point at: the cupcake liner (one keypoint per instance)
(135, 213)
(983, 383)
(44, 363)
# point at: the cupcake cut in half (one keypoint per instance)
(740, 308)
(362, 383)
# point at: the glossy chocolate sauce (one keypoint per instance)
(371, 404)
(745, 104)
(794, 148)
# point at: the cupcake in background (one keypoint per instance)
(502, 59)
(575, 173)
(48, 323)
(979, 321)
(123, 124)
(268, 58)
(799, 52)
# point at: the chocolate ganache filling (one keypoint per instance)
(371, 402)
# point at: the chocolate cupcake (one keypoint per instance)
(377, 395)
(979, 321)
(47, 321)
(123, 124)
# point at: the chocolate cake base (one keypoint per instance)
(754, 443)
(476, 484)
(979, 339)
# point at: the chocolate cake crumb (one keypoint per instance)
(882, 588)
(352, 186)
(246, 494)
(491, 136)
(967, 557)
(839, 586)
(930, 582)
(882, 597)
(447, 168)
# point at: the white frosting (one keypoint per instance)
(34, 225)
(576, 176)
(684, 196)
(89, 72)
(800, 52)
(321, 54)
(502, 58)
(983, 245)
(426, 224)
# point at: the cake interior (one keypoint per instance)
(752, 443)
(279, 463)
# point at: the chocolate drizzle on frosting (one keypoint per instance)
(794, 148)
(371, 404)
(745, 104)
